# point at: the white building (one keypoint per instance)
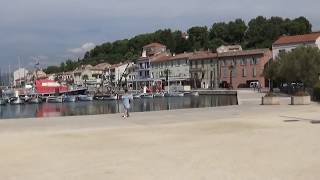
(20, 76)
(175, 68)
(288, 43)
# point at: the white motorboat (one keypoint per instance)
(147, 95)
(34, 100)
(55, 99)
(16, 100)
(106, 97)
(69, 98)
(174, 94)
(158, 94)
(193, 93)
(85, 98)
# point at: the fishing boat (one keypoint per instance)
(85, 98)
(147, 95)
(193, 93)
(160, 94)
(55, 99)
(69, 98)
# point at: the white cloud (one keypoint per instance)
(83, 49)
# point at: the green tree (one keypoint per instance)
(219, 31)
(300, 65)
(236, 30)
(199, 38)
(271, 72)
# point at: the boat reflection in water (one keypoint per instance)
(109, 107)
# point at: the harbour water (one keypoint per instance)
(113, 106)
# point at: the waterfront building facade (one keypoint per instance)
(150, 52)
(239, 68)
(204, 70)
(172, 69)
(288, 43)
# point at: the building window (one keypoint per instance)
(234, 72)
(202, 63)
(234, 62)
(140, 73)
(225, 72)
(190, 63)
(244, 72)
(222, 63)
(242, 61)
(254, 72)
(196, 64)
(254, 60)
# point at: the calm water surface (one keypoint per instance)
(109, 107)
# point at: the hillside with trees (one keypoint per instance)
(259, 32)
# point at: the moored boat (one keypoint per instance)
(158, 94)
(16, 100)
(106, 97)
(55, 99)
(193, 93)
(147, 95)
(34, 100)
(69, 98)
(174, 94)
(85, 98)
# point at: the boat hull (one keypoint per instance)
(57, 99)
(85, 98)
(69, 99)
(106, 98)
(147, 96)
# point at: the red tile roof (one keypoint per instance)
(154, 45)
(244, 53)
(298, 39)
(198, 55)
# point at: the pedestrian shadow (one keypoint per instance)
(297, 119)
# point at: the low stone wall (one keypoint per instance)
(270, 101)
(300, 100)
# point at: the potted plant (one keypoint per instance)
(301, 98)
(270, 99)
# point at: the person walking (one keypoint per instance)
(126, 98)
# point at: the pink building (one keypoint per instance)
(244, 66)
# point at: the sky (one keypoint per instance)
(51, 31)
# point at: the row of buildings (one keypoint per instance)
(159, 69)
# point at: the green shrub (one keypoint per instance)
(301, 93)
(270, 94)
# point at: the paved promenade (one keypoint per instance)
(247, 142)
